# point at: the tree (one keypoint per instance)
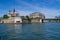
(28, 18)
(5, 16)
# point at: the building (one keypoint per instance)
(36, 17)
(13, 13)
(17, 20)
(57, 17)
(6, 21)
(13, 17)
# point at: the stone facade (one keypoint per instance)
(17, 20)
(6, 21)
(13, 17)
(36, 17)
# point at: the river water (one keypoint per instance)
(35, 31)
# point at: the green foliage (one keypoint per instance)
(5, 16)
(28, 18)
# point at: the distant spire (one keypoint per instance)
(9, 12)
(14, 10)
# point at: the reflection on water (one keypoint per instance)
(40, 31)
(13, 31)
(18, 28)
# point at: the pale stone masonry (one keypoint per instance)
(37, 17)
(6, 21)
(13, 17)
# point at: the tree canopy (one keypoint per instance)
(5, 16)
(28, 18)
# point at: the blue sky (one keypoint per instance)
(50, 8)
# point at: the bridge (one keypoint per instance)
(50, 20)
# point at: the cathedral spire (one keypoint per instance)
(14, 11)
(9, 12)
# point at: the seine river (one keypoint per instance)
(35, 31)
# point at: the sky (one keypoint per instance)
(50, 8)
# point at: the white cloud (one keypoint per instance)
(49, 13)
(29, 5)
(23, 12)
